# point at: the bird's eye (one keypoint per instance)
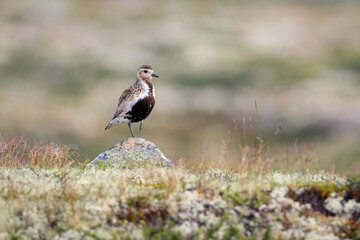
(146, 71)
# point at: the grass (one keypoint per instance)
(235, 194)
(251, 186)
(17, 152)
(221, 54)
(60, 78)
(44, 195)
(170, 204)
(246, 150)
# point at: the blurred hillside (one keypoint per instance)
(63, 65)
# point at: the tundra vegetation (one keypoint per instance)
(44, 195)
(286, 170)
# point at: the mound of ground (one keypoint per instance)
(132, 151)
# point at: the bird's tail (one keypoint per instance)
(108, 126)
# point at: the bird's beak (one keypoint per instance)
(154, 75)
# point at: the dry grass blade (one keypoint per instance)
(17, 152)
(278, 129)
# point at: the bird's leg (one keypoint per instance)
(141, 127)
(132, 133)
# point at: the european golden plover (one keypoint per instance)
(136, 102)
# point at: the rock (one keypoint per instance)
(133, 151)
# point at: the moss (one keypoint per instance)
(161, 232)
(73, 202)
(210, 233)
(237, 198)
(267, 234)
(259, 200)
(232, 232)
(351, 230)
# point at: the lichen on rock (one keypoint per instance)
(132, 151)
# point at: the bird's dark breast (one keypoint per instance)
(141, 109)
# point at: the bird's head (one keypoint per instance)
(146, 73)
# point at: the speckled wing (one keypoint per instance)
(124, 100)
(122, 105)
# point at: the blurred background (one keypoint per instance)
(64, 64)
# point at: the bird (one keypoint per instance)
(136, 102)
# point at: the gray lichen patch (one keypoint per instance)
(150, 203)
(134, 151)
